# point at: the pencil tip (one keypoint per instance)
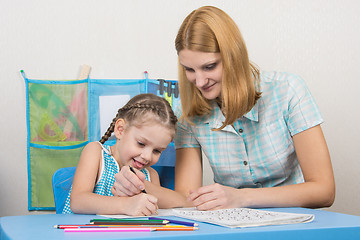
(55, 226)
(196, 228)
(195, 224)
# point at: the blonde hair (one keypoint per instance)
(142, 109)
(209, 29)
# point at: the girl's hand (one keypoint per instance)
(141, 205)
(214, 196)
(127, 183)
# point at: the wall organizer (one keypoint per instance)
(64, 115)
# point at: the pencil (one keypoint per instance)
(107, 225)
(117, 226)
(109, 229)
(176, 221)
(70, 226)
(128, 223)
(130, 220)
(175, 228)
(131, 169)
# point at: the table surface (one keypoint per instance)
(326, 225)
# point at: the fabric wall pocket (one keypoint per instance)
(58, 129)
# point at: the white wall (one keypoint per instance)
(49, 39)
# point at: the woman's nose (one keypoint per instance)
(200, 79)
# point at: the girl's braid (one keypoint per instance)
(123, 110)
(110, 130)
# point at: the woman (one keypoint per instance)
(260, 131)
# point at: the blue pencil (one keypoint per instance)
(175, 221)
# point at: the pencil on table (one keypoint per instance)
(176, 221)
(109, 229)
(107, 225)
(132, 222)
(138, 229)
(175, 228)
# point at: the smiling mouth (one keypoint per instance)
(137, 164)
(208, 88)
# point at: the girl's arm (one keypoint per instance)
(318, 190)
(83, 200)
(188, 176)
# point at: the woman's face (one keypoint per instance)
(204, 70)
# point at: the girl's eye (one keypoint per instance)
(157, 151)
(141, 144)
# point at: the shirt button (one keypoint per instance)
(241, 130)
(245, 163)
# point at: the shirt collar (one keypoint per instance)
(217, 118)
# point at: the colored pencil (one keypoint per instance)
(129, 220)
(105, 225)
(70, 226)
(176, 221)
(138, 229)
(109, 229)
(128, 223)
(175, 228)
(119, 226)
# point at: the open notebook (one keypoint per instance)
(234, 217)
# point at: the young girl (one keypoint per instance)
(143, 129)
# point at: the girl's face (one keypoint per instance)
(141, 147)
(204, 70)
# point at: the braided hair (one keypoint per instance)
(141, 108)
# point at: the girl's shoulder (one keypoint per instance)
(93, 147)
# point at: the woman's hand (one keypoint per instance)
(127, 183)
(214, 196)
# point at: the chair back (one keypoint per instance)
(61, 183)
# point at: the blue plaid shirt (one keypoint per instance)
(257, 151)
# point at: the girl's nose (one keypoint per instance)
(146, 155)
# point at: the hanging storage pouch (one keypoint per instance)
(58, 129)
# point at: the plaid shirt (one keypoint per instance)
(257, 151)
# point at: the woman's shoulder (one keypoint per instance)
(276, 77)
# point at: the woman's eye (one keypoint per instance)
(210, 67)
(188, 69)
(141, 144)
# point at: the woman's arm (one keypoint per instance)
(188, 170)
(83, 200)
(318, 190)
(188, 176)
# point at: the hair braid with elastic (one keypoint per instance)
(141, 109)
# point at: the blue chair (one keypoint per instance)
(63, 177)
(61, 183)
